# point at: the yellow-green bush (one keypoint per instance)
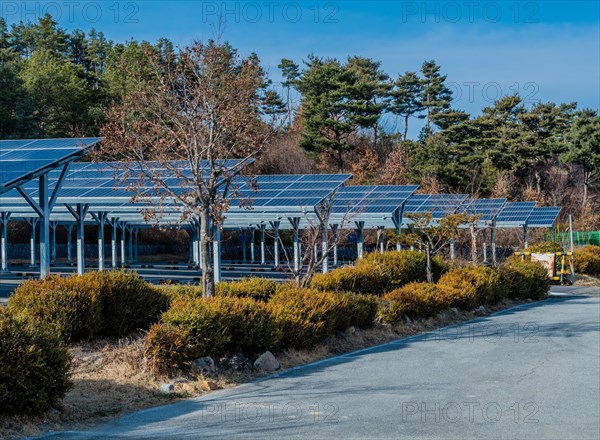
(181, 290)
(525, 279)
(377, 273)
(128, 303)
(360, 312)
(68, 306)
(545, 247)
(587, 260)
(194, 327)
(306, 316)
(457, 290)
(403, 267)
(34, 366)
(96, 304)
(364, 278)
(469, 287)
(415, 300)
(258, 288)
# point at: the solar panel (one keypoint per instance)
(487, 209)
(24, 160)
(544, 217)
(356, 200)
(103, 186)
(438, 205)
(514, 214)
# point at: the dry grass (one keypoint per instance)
(111, 378)
(587, 280)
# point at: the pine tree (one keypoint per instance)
(406, 99)
(583, 148)
(436, 97)
(370, 95)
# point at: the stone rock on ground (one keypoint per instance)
(266, 363)
(167, 388)
(210, 386)
(454, 313)
(479, 310)
(204, 365)
(238, 362)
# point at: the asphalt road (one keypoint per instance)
(532, 372)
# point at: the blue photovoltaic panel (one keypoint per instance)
(544, 217)
(487, 209)
(23, 160)
(371, 199)
(514, 214)
(438, 205)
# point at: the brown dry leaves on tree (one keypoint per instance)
(183, 113)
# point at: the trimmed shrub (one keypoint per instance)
(361, 310)
(378, 273)
(260, 289)
(306, 316)
(403, 267)
(470, 287)
(128, 303)
(34, 366)
(364, 278)
(169, 345)
(194, 327)
(96, 304)
(416, 300)
(456, 289)
(65, 305)
(526, 279)
(181, 290)
(587, 260)
(545, 247)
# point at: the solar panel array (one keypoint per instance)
(370, 199)
(23, 160)
(289, 191)
(106, 187)
(514, 214)
(486, 209)
(544, 217)
(438, 205)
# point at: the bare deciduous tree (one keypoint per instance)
(185, 114)
(432, 234)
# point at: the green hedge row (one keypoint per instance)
(298, 318)
(34, 366)
(466, 288)
(587, 260)
(378, 273)
(96, 304)
(249, 316)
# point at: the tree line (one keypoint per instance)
(351, 117)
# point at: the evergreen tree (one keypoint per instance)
(583, 148)
(58, 92)
(436, 97)
(290, 72)
(406, 99)
(370, 95)
(544, 129)
(328, 119)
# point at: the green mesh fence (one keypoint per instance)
(580, 238)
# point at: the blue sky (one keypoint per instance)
(545, 50)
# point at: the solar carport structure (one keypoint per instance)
(38, 183)
(22, 161)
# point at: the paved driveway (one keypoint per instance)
(532, 372)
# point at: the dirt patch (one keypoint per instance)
(112, 378)
(587, 280)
